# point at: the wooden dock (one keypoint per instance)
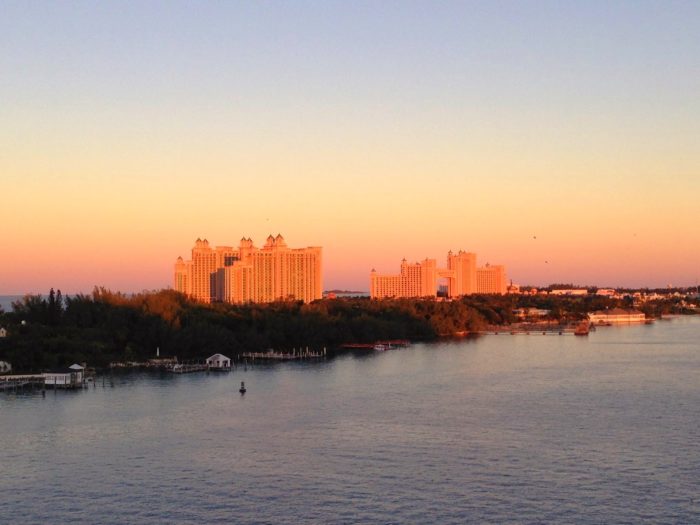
(564, 331)
(395, 343)
(15, 383)
(578, 328)
(186, 368)
(559, 330)
(285, 356)
(392, 343)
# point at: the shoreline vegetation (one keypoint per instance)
(105, 326)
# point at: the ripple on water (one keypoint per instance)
(493, 430)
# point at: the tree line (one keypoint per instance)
(106, 326)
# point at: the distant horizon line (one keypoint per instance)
(560, 286)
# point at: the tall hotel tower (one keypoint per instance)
(249, 274)
(421, 279)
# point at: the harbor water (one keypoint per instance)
(497, 429)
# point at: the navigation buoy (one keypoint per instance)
(242, 389)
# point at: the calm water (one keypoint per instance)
(504, 429)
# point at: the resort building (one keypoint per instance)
(250, 274)
(491, 279)
(616, 316)
(422, 279)
(414, 280)
(569, 291)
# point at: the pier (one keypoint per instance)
(186, 368)
(63, 381)
(582, 328)
(392, 343)
(285, 356)
(14, 383)
(563, 331)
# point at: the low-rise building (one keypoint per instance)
(3, 332)
(606, 292)
(530, 313)
(616, 316)
(570, 291)
(64, 377)
(219, 362)
(5, 367)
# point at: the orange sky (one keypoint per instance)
(376, 133)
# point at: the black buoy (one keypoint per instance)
(242, 389)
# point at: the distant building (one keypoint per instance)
(3, 332)
(530, 313)
(79, 370)
(219, 362)
(71, 377)
(513, 288)
(606, 292)
(5, 367)
(491, 279)
(414, 280)
(250, 274)
(422, 279)
(616, 316)
(570, 291)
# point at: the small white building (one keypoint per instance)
(219, 362)
(64, 377)
(57, 377)
(3, 332)
(80, 370)
(5, 367)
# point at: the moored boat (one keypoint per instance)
(582, 328)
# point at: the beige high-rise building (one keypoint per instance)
(491, 279)
(463, 279)
(421, 279)
(250, 274)
(414, 280)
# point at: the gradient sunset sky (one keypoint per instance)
(561, 139)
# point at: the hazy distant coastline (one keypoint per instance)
(49, 331)
(7, 300)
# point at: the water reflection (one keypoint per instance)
(499, 429)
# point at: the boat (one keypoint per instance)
(582, 328)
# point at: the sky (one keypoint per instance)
(561, 139)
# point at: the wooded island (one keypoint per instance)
(103, 327)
